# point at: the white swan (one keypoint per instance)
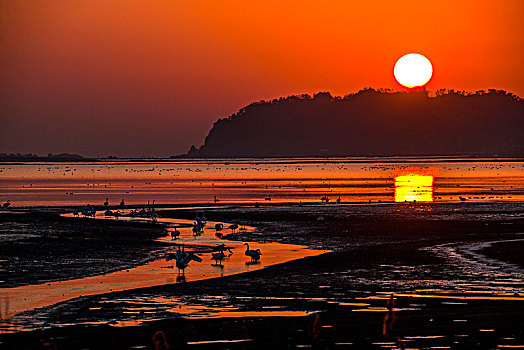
(222, 247)
(183, 258)
(253, 254)
(198, 228)
(218, 257)
(175, 234)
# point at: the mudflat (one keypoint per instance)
(455, 272)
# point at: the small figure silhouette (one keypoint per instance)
(389, 322)
(160, 341)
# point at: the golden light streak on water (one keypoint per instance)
(414, 188)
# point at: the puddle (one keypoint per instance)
(158, 272)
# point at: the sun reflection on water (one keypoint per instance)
(414, 188)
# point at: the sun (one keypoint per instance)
(413, 70)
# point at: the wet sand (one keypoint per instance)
(510, 252)
(448, 296)
(40, 246)
(159, 271)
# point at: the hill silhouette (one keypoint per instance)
(373, 123)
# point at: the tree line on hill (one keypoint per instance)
(372, 123)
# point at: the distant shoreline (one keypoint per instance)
(275, 159)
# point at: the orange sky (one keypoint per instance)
(139, 78)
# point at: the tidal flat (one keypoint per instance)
(452, 287)
(89, 254)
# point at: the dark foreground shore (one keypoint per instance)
(442, 301)
(482, 326)
(42, 247)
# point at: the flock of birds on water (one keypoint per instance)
(236, 169)
(181, 256)
(90, 211)
(218, 253)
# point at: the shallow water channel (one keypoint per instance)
(160, 271)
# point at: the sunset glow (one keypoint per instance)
(161, 72)
(413, 187)
(413, 70)
(351, 156)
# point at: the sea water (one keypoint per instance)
(182, 181)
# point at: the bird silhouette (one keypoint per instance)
(253, 254)
(175, 234)
(198, 228)
(222, 247)
(183, 258)
(218, 257)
